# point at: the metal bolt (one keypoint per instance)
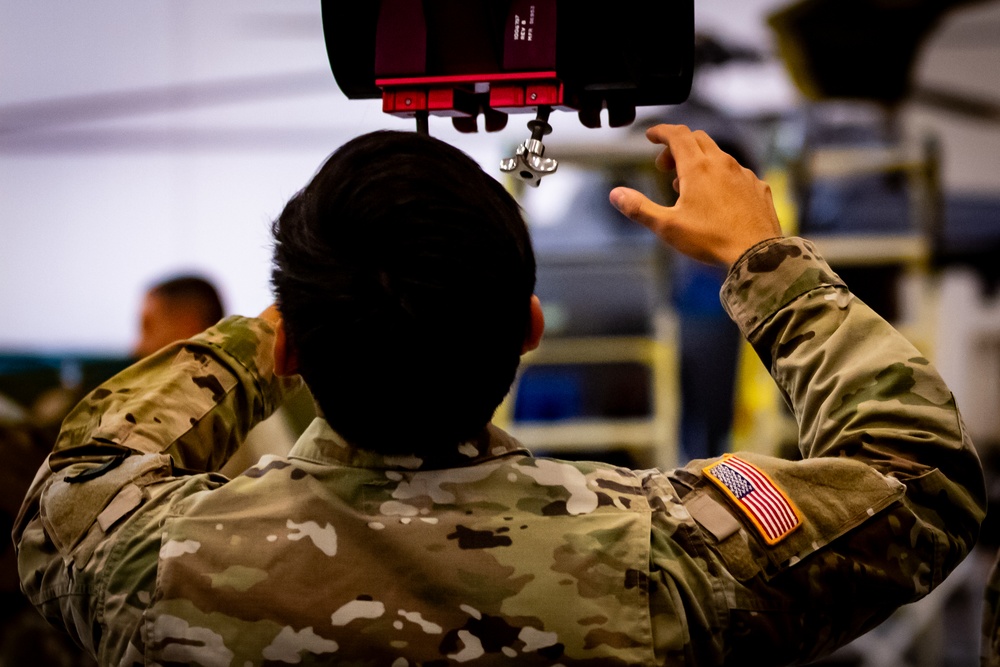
(408, 101)
(534, 96)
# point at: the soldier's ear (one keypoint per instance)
(536, 326)
(286, 358)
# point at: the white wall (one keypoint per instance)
(142, 138)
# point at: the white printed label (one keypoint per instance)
(523, 28)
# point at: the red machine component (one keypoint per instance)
(465, 58)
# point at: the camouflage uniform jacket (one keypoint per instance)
(483, 554)
(990, 649)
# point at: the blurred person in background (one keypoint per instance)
(174, 309)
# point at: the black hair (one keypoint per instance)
(404, 274)
(193, 291)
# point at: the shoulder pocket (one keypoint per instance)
(829, 497)
(70, 507)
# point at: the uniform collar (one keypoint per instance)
(321, 444)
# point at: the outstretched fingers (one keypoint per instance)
(638, 207)
(681, 144)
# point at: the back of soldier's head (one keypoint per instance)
(404, 274)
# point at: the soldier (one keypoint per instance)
(174, 309)
(404, 529)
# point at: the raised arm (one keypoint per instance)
(890, 494)
(140, 434)
(194, 401)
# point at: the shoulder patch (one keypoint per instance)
(749, 487)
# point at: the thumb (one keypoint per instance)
(638, 207)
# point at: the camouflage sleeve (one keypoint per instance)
(130, 443)
(990, 647)
(193, 401)
(869, 407)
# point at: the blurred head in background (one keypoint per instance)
(175, 309)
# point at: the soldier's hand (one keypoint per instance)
(722, 208)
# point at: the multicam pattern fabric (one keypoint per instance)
(991, 618)
(482, 554)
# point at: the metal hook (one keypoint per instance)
(529, 163)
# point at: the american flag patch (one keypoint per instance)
(753, 491)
